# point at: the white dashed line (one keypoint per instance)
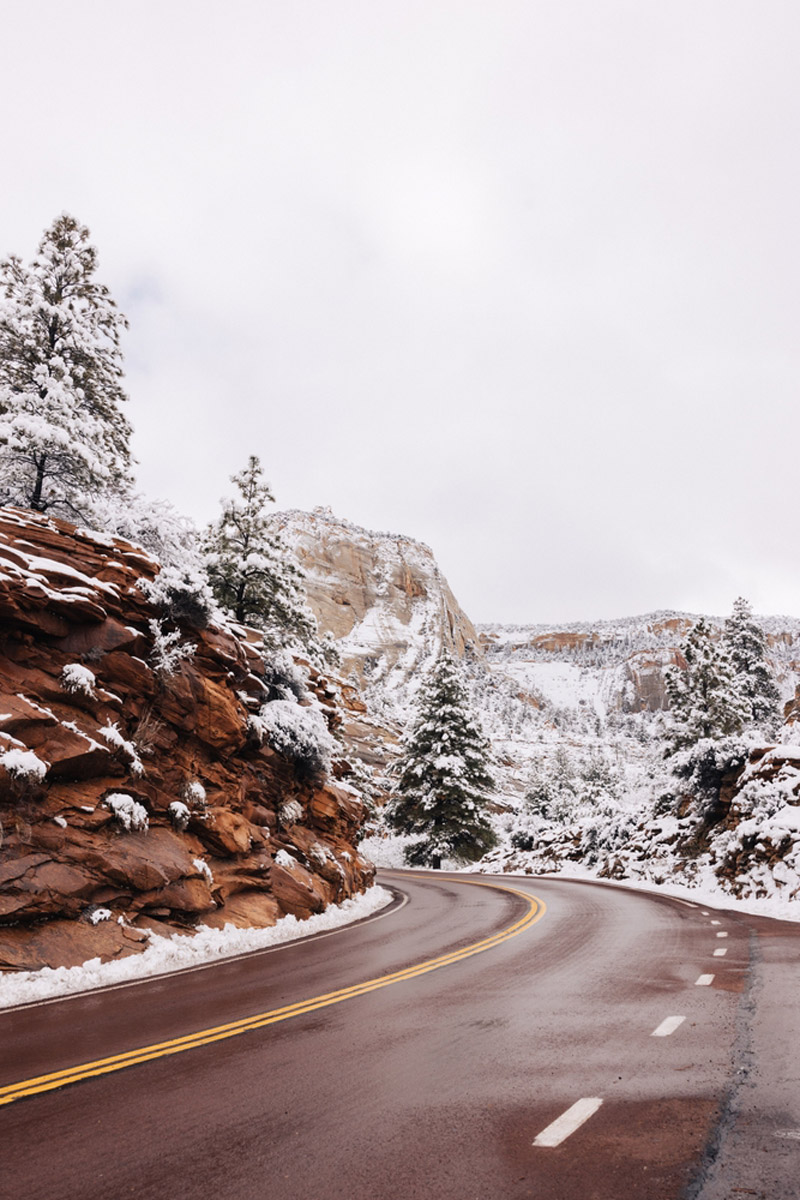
(722, 934)
(723, 950)
(704, 981)
(568, 1122)
(705, 912)
(667, 1026)
(716, 922)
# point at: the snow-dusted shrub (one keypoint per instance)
(95, 915)
(179, 814)
(283, 679)
(761, 856)
(298, 733)
(168, 650)
(201, 866)
(290, 813)
(703, 766)
(24, 766)
(182, 594)
(763, 789)
(194, 795)
(125, 750)
(181, 589)
(127, 812)
(146, 732)
(78, 680)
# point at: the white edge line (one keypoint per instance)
(560, 1129)
(667, 1026)
(213, 962)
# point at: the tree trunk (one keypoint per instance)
(36, 497)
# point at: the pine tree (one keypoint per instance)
(63, 435)
(444, 776)
(704, 698)
(747, 645)
(253, 573)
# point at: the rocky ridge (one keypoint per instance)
(136, 793)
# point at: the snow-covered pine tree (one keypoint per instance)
(63, 436)
(704, 697)
(444, 778)
(747, 646)
(253, 574)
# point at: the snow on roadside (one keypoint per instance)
(178, 952)
(710, 896)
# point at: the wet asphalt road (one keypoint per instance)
(438, 1085)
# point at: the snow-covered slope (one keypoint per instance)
(618, 665)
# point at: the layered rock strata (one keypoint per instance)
(135, 797)
(382, 596)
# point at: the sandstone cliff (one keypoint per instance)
(135, 793)
(382, 597)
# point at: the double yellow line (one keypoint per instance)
(131, 1058)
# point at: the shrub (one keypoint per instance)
(78, 680)
(127, 812)
(299, 734)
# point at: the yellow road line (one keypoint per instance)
(118, 1062)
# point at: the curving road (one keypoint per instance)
(555, 1040)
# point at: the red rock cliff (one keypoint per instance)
(211, 827)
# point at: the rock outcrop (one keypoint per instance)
(382, 597)
(136, 795)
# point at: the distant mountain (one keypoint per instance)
(618, 665)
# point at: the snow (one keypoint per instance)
(23, 764)
(78, 679)
(179, 814)
(284, 859)
(131, 815)
(298, 733)
(704, 895)
(291, 813)
(113, 736)
(49, 566)
(179, 952)
(787, 817)
(201, 866)
(196, 793)
(563, 685)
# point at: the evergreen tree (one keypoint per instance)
(444, 776)
(63, 436)
(747, 645)
(704, 697)
(253, 574)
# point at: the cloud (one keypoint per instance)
(519, 280)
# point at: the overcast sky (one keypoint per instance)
(520, 280)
